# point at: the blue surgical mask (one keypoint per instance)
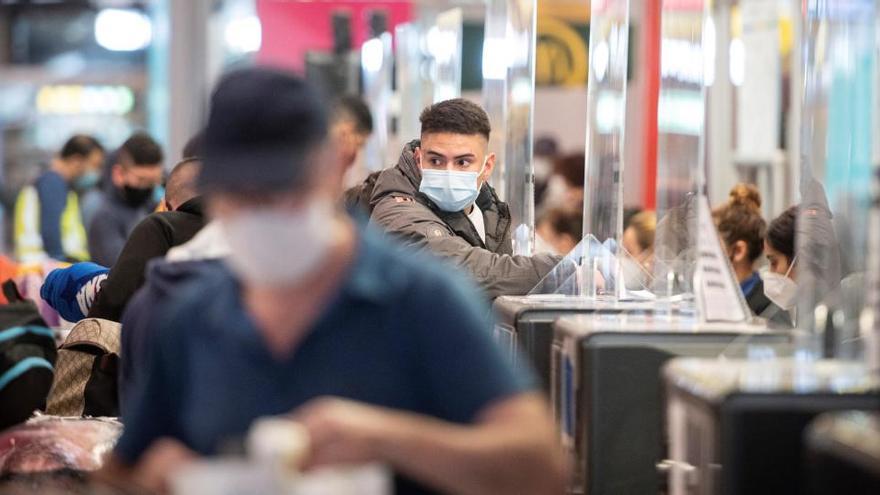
(451, 190)
(87, 180)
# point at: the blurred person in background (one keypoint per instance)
(560, 229)
(742, 230)
(85, 289)
(153, 237)
(383, 355)
(351, 124)
(638, 242)
(545, 150)
(48, 220)
(780, 280)
(638, 236)
(438, 197)
(135, 175)
(565, 187)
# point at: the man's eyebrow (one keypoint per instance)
(466, 155)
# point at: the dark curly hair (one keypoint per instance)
(457, 116)
(740, 220)
(141, 150)
(780, 234)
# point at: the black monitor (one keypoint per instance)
(738, 427)
(608, 395)
(843, 454)
(524, 324)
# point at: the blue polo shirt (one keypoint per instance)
(404, 331)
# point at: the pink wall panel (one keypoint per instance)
(292, 28)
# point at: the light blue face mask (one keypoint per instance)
(451, 190)
(87, 180)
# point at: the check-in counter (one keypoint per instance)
(524, 324)
(607, 394)
(738, 426)
(843, 454)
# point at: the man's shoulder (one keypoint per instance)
(180, 293)
(409, 272)
(50, 180)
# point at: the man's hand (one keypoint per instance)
(343, 431)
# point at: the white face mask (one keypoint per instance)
(277, 247)
(780, 289)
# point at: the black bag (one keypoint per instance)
(27, 359)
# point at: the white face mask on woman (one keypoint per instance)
(279, 246)
(780, 289)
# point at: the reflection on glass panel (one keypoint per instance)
(680, 115)
(520, 192)
(839, 128)
(411, 80)
(376, 66)
(444, 44)
(496, 62)
(606, 107)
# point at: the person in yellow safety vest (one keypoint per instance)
(48, 222)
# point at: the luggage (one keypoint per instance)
(86, 372)
(27, 359)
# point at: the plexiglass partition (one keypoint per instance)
(414, 88)
(606, 121)
(870, 319)
(444, 45)
(680, 127)
(837, 166)
(377, 70)
(496, 62)
(510, 56)
(690, 264)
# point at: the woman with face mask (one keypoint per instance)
(742, 230)
(780, 280)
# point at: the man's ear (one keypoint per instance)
(417, 155)
(116, 175)
(490, 165)
(740, 251)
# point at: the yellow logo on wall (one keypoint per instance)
(561, 54)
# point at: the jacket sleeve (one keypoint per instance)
(497, 274)
(146, 242)
(53, 199)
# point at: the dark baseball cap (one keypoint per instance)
(262, 124)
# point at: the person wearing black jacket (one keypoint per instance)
(152, 238)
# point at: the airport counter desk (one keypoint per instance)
(524, 325)
(737, 427)
(606, 390)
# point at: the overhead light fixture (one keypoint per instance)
(244, 34)
(372, 55)
(123, 30)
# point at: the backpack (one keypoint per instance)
(27, 359)
(86, 371)
(357, 198)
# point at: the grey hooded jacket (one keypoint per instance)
(399, 208)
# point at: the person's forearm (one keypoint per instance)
(484, 460)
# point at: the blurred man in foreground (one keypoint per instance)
(380, 354)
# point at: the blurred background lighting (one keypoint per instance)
(372, 55)
(244, 35)
(123, 30)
